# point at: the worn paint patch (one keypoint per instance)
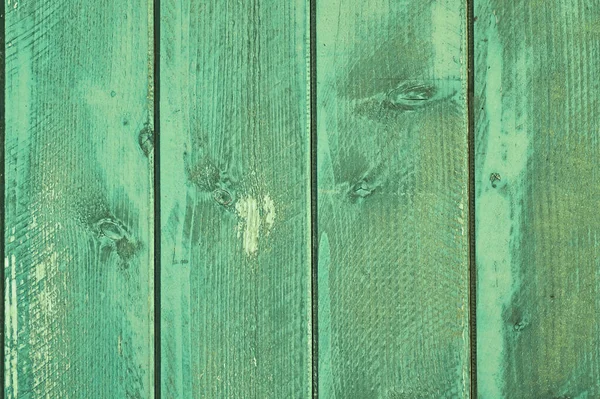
(269, 212)
(249, 225)
(252, 216)
(46, 305)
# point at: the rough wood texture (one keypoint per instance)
(235, 199)
(392, 175)
(78, 200)
(538, 193)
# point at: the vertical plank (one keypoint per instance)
(392, 197)
(235, 199)
(78, 288)
(538, 192)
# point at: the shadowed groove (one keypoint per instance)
(471, 199)
(2, 184)
(156, 198)
(313, 196)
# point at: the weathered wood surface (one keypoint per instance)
(392, 196)
(235, 199)
(538, 192)
(78, 289)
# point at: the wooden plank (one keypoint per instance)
(78, 288)
(392, 197)
(538, 191)
(235, 286)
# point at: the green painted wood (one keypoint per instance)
(78, 288)
(392, 197)
(538, 228)
(235, 199)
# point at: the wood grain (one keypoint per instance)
(538, 191)
(78, 289)
(392, 196)
(235, 199)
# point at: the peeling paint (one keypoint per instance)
(249, 225)
(253, 214)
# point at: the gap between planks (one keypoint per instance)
(471, 199)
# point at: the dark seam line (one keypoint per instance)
(157, 235)
(313, 199)
(471, 190)
(2, 181)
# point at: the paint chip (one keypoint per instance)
(253, 214)
(249, 226)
